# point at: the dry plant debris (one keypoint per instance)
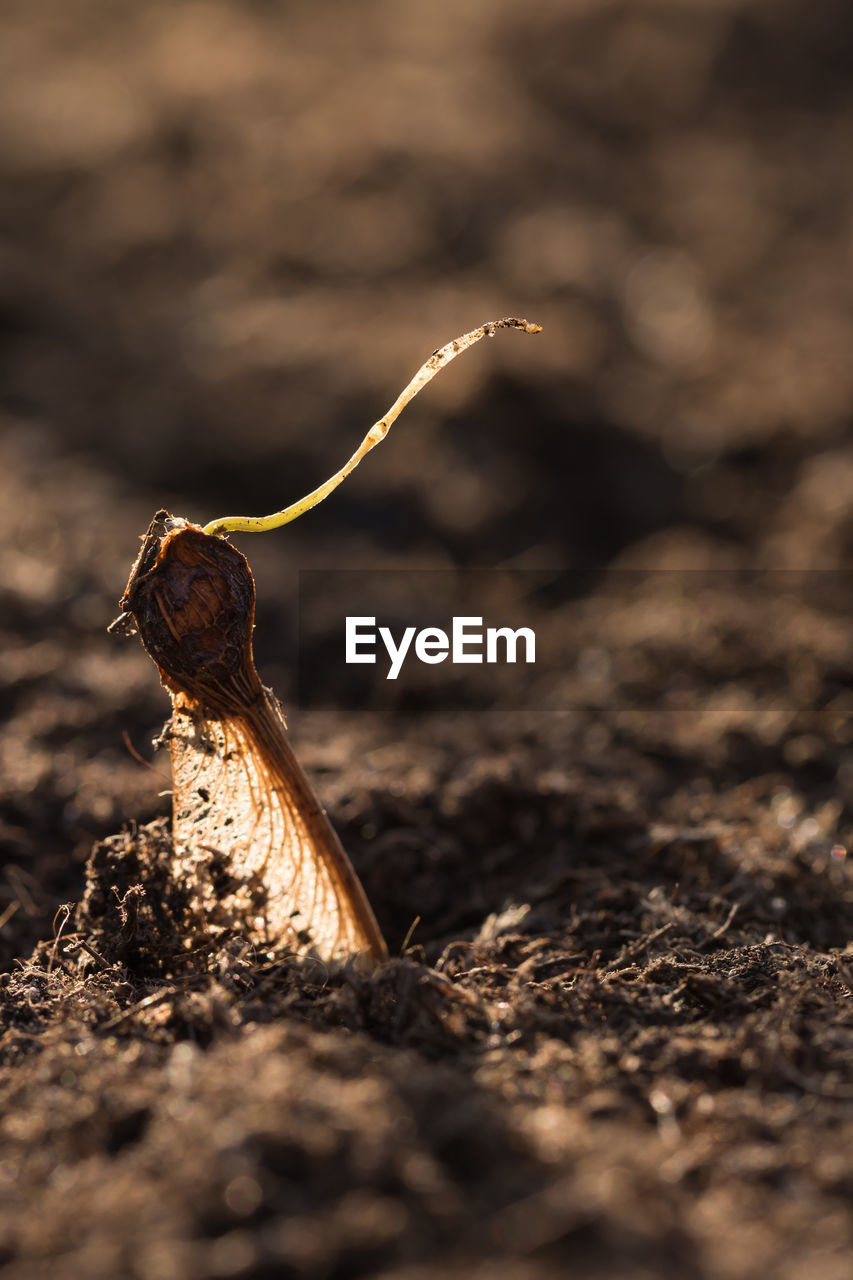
(253, 847)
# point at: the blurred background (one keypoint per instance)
(230, 232)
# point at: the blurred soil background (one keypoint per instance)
(620, 1040)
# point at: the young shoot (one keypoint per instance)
(377, 433)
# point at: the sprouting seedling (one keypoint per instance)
(252, 847)
(377, 433)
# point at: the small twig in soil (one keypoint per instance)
(639, 944)
(721, 929)
(80, 943)
(57, 933)
(409, 932)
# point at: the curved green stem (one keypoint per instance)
(427, 371)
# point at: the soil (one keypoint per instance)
(615, 1037)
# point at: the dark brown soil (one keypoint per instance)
(619, 1040)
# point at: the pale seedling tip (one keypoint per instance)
(427, 371)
